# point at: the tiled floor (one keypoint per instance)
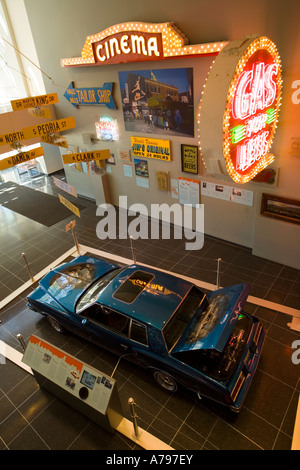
(32, 418)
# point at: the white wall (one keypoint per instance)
(59, 29)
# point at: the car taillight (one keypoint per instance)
(256, 339)
(238, 386)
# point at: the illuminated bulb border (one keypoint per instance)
(260, 43)
(174, 42)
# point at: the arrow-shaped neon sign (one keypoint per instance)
(90, 96)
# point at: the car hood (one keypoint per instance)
(212, 328)
(64, 284)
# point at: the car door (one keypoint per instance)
(106, 327)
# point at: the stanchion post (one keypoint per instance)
(71, 225)
(21, 341)
(218, 273)
(133, 249)
(27, 266)
(75, 239)
(134, 418)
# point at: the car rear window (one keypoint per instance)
(177, 324)
(72, 277)
(133, 286)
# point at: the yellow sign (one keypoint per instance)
(34, 101)
(55, 140)
(151, 148)
(86, 156)
(69, 205)
(20, 158)
(12, 137)
(189, 158)
(60, 125)
(40, 112)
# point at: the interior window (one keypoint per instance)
(108, 318)
(138, 333)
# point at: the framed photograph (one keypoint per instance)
(158, 100)
(280, 208)
(189, 158)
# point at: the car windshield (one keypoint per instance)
(93, 292)
(178, 323)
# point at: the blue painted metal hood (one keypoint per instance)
(212, 328)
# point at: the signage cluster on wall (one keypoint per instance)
(248, 81)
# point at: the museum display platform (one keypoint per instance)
(33, 418)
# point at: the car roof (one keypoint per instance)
(155, 303)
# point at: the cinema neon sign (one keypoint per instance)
(251, 113)
(136, 42)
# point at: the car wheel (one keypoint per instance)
(55, 324)
(165, 381)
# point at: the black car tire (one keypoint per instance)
(55, 324)
(165, 380)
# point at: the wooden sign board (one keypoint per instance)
(34, 101)
(20, 158)
(86, 156)
(52, 127)
(69, 205)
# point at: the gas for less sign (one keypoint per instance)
(251, 112)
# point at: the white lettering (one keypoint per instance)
(160, 214)
(296, 94)
(100, 57)
(114, 47)
(134, 43)
(138, 45)
(255, 90)
(296, 354)
(251, 151)
(152, 47)
(124, 44)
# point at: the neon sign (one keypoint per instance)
(246, 76)
(135, 42)
(107, 129)
(252, 110)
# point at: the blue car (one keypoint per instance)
(205, 342)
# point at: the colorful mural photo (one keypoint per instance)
(158, 101)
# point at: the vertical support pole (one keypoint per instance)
(21, 341)
(218, 273)
(75, 239)
(134, 418)
(133, 250)
(27, 266)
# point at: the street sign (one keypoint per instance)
(65, 186)
(11, 137)
(69, 205)
(86, 156)
(55, 139)
(20, 158)
(34, 101)
(60, 125)
(91, 96)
